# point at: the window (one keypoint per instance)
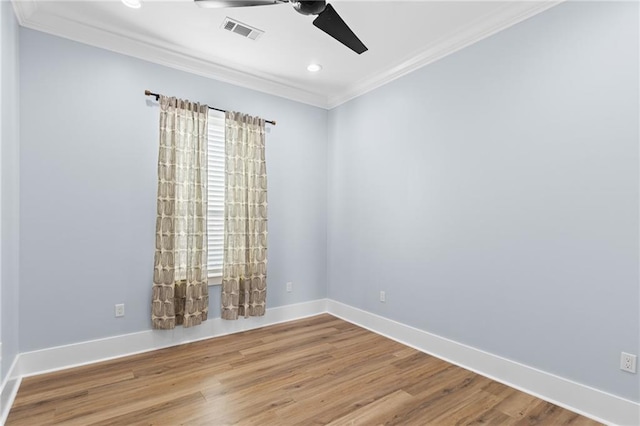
(215, 181)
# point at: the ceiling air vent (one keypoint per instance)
(242, 29)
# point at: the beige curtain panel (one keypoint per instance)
(180, 291)
(244, 271)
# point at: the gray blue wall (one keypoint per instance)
(494, 195)
(9, 186)
(88, 159)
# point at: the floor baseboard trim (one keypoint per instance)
(9, 389)
(89, 352)
(584, 400)
(590, 402)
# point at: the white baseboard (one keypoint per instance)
(579, 398)
(590, 402)
(77, 354)
(9, 390)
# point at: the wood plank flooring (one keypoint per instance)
(319, 370)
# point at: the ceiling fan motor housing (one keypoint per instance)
(309, 7)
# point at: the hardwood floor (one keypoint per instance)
(319, 370)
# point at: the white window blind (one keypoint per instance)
(215, 213)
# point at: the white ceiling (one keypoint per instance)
(401, 36)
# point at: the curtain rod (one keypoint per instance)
(157, 96)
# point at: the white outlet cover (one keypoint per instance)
(628, 362)
(119, 310)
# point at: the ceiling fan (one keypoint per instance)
(328, 19)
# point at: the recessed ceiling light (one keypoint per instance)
(134, 4)
(314, 67)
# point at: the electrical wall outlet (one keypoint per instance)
(383, 297)
(289, 287)
(120, 310)
(628, 362)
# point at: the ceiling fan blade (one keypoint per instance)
(237, 3)
(331, 23)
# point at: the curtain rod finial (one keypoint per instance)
(150, 93)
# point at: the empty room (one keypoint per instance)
(344, 212)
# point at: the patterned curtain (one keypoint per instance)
(244, 271)
(180, 291)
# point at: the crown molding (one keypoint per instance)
(159, 53)
(512, 13)
(175, 57)
(24, 10)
